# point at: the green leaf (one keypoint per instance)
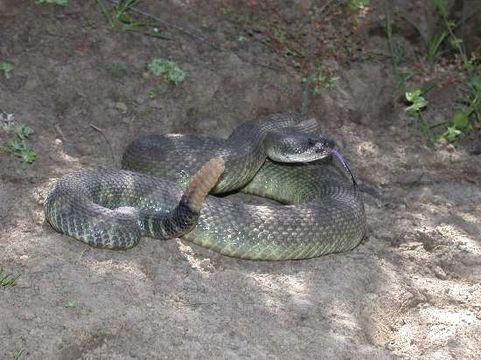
(412, 95)
(441, 7)
(451, 134)
(28, 155)
(475, 83)
(7, 68)
(460, 120)
(169, 69)
(55, 2)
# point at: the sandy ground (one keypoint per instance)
(410, 290)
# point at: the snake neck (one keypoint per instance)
(244, 151)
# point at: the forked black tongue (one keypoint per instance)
(337, 154)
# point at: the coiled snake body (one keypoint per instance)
(320, 210)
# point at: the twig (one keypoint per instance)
(106, 139)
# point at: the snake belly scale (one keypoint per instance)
(319, 209)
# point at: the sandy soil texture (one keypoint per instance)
(410, 290)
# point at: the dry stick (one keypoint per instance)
(107, 140)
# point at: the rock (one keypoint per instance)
(411, 177)
(120, 106)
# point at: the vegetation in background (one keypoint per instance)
(469, 116)
(448, 32)
(122, 18)
(7, 68)
(8, 280)
(397, 52)
(321, 78)
(15, 138)
(357, 4)
(416, 102)
(16, 355)
(168, 69)
(116, 69)
(54, 2)
(447, 51)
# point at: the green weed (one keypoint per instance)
(121, 18)
(433, 46)
(116, 69)
(71, 305)
(321, 78)
(7, 68)
(280, 36)
(54, 2)
(462, 120)
(416, 102)
(16, 141)
(168, 69)
(440, 33)
(449, 26)
(16, 355)
(397, 51)
(8, 280)
(357, 4)
(473, 99)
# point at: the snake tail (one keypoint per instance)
(117, 216)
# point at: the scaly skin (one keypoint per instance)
(325, 215)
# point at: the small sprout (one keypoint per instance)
(169, 69)
(16, 355)
(321, 78)
(280, 36)
(54, 2)
(416, 101)
(70, 305)
(7, 68)
(451, 134)
(16, 141)
(116, 69)
(8, 280)
(357, 4)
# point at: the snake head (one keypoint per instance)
(298, 147)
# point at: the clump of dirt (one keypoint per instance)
(411, 289)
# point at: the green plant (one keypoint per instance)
(116, 69)
(8, 280)
(449, 26)
(168, 69)
(440, 32)
(416, 102)
(122, 19)
(280, 36)
(16, 141)
(7, 68)
(397, 52)
(433, 46)
(357, 4)
(16, 355)
(55, 2)
(321, 78)
(461, 121)
(473, 99)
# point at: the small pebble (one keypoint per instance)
(121, 107)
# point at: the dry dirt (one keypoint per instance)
(410, 290)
